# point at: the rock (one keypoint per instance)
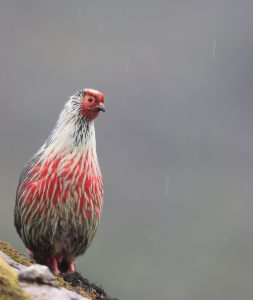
(10, 261)
(20, 279)
(45, 292)
(9, 284)
(36, 273)
(34, 282)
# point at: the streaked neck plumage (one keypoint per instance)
(72, 137)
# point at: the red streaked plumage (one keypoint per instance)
(53, 184)
(60, 192)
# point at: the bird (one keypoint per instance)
(60, 193)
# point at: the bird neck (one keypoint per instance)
(73, 136)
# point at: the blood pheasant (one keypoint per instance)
(60, 191)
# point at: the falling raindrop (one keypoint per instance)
(127, 66)
(167, 185)
(195, 158)
(79, 14)
(241, 148)
(213, 49)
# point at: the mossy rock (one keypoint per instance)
(15, 255)
(60, 282)
(9, 285)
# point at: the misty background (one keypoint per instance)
(175, 144)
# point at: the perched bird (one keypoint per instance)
(59, 196)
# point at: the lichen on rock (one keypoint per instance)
(9, 284)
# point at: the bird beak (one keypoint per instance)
(101, 107)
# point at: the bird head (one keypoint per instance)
(92, 103)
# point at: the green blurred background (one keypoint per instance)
(175, 144)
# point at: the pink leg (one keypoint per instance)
(72, 267)
(54, 265)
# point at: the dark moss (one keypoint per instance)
(77, 280)
(62, 283)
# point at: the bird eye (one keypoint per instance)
(90, 99)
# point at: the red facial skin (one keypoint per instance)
(93, 103)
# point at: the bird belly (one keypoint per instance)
(59, 206)
(62, 228)
(62, 232)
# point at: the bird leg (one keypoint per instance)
(51, 262)
(54, 265)
(71, 267)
